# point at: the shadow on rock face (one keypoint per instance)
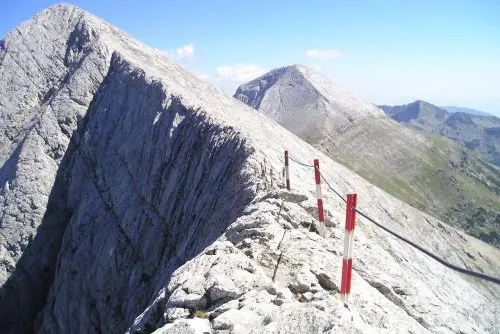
(24, 293)
(146, 184)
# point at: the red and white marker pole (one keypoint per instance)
(321, 216)
(287, 173)
(350, 221)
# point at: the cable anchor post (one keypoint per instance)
(287, 172)
(321, 215)
(350, 221)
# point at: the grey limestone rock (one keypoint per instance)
(135, 197)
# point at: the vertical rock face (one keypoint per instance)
(138, 158)
(135, 197)
(46, 89)
(141, 199)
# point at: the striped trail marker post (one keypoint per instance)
(287, 173)
(350, 220)
(321, 216)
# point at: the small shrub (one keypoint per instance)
(200, 314)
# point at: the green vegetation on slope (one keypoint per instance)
(431, 173)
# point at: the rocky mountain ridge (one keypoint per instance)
(478, 133)
(135, 197)
(429, 172)
(454, 109)
(304, 90)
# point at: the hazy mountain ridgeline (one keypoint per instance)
(454, 109)
(135, 197)
(478, 133)
(429, 172)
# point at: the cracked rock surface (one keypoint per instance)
(135, 197)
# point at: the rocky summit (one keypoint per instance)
(304, 102)
(429, 172)
(137, 198)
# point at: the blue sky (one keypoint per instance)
(444, 52)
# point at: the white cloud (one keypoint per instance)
(185, 52)
(240, 72)
(323, 54)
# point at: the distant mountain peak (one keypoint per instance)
(297, 67)
(418, 111)
(423, 103)
(474, 130)
(302, 99)
(60, 9)
(62, 5)
(270, 77)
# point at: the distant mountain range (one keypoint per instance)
(430, 172)
(478, 133)
(454, 109)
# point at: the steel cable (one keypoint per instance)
(429, 253)
(331, 188)
(300, 163)
(469, 272)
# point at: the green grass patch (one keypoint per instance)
(200, 314)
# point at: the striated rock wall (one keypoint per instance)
(50, 67)
(141, 191)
